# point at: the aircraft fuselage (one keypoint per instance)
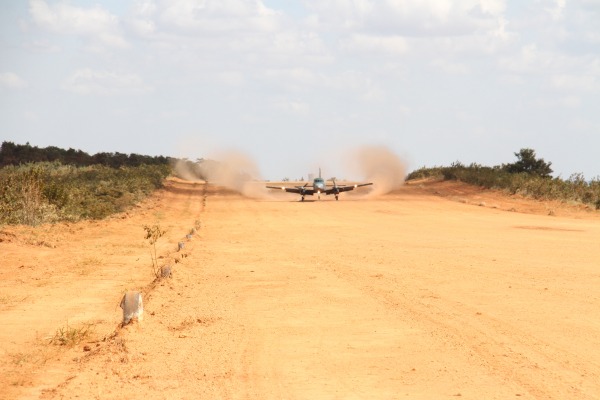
(319, 185)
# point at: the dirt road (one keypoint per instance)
(435, 291)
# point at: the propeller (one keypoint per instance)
(302, 188)
(335, 187)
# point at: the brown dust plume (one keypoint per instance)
(231, 169)
(379, 165)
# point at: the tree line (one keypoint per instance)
(17, 154)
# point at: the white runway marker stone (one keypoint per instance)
(133, 307)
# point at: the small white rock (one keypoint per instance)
(133, 307)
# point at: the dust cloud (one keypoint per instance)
(237, 171)
(379, 165)
(187, 170)
(231, 169)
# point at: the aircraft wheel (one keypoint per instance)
(336, 197)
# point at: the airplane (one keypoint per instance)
(319, 186)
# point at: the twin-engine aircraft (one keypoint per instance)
(319, 187)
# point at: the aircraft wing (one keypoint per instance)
(297, 189)
(345, 188)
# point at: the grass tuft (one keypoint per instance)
(69, 336)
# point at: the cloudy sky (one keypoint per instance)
(297, 83)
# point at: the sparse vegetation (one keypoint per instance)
(39, 185)
(70, 336)
(528, 176)
(49, 192)
(153, 233)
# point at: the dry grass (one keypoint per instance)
(574, 190)
(69, 336)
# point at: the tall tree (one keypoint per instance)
(528, 163)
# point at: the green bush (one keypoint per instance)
(49, 192)
(576, 188)
(527, 162)
(424, 173)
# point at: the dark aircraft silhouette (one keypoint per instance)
(319, 187)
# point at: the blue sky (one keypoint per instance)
(298, 84)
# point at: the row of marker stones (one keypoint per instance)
(132, 302)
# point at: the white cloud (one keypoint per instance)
(415, 29)
(500, 32)
(173, 114)
(144, 8)
(568, 101)
(410, 17)
(356, 84)
(96, 25)
(218, 16)
(43, 46)
(351, 66)
(576, 83)
(291, 42)
(451, 67)
(226, 42)
(372, 43)
(90, 82)
(296, 107)
(142, 19)
(12, 81)
(231, 78)
(564, 72)
(143, 27)
(493, 7)
(557, 9)
(296, 78)
(530, 59)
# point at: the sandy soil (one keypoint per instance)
(439, 290)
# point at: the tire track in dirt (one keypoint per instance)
(344, 328)
(114, 271)
(186, 347)
(534, 366)
(542, 369)
(540, 366)
(349, 299)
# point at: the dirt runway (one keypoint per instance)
(436, 291)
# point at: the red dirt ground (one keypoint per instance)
(438, 290)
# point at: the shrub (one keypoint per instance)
(528, 163)
(48, 192)
(424, 172)
(536, 185)
(153, 233)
